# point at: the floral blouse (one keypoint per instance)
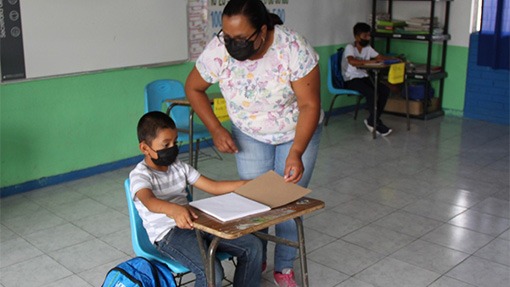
(259, 96)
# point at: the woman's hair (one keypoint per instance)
(254, 10)
(150, 124)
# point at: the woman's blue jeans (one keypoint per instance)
(181, 245)
(256, 158)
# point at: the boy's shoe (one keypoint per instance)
(368, 125)
(285, 279)
(383, 130)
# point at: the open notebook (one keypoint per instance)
(261, 194)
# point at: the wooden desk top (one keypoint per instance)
(374, 66)
(184, 100)
(236, 228)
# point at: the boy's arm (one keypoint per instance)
(179, 213)
(218, 187)
(355, 62)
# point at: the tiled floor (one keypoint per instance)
(428, 207)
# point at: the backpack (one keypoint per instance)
(139, 272)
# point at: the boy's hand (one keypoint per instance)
(183, 217)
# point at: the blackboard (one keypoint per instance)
(62, 37)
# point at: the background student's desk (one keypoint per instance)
(252, 224)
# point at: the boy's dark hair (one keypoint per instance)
(150, 123)
(254, 10)
(361, 28)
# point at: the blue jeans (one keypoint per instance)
(256, 158)
(181, 245)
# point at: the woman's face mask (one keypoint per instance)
(240, 49)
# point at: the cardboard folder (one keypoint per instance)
(265, 192)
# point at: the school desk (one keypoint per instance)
(253, 224)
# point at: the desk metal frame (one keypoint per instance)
(253, 224)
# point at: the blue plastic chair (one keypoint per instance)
(334, 70)
(144, 248)
(157, 92)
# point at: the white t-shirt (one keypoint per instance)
(169, 186)
(350, 72)
(259, 95)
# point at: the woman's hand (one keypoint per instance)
(223, 140)
(293, 167)
(183, 217)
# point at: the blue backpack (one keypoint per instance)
(139, 272)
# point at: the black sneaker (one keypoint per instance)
(382, 129)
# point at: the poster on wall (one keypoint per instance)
(11, 41)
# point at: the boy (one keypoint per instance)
(158, 188)
(358, 54)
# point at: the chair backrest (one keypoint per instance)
(140, 240)
(335, 79)
(158, 91)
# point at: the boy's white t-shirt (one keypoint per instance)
(350, 72)
(168, 186)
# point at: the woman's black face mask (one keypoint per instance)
(166, 156)
(240, 49)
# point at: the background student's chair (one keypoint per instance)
(336, 83)
(144, 248)
(156, 94)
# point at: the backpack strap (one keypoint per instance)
(155, 274)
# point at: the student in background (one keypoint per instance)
(269, 77)
(158, 187)
(359, 53)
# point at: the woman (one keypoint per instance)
(269, 77)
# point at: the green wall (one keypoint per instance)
(55, 126)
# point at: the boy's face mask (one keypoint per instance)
(166, 156)
(363, 42)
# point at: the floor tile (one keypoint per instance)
(430, 256)
(408, 223)
(74, 281)
(481, 222)
(353, 282)
(446, 281)
(391, 197)
(345, 257)
(364, 210)
(33, 222)
(38, 271)
(394, 273)
(87, 255)
(481, 272)
(333, 224)
(458, 238)
(17, 250)
(379, 239)
(58, 237)
(434, 209)
(494, 206)
(497, 251)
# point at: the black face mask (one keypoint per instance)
(166, 156)
(241, 52)
(363, 42)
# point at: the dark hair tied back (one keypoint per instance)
(254, 10)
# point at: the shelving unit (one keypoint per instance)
(429, 110)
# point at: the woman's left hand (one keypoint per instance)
(293, 168)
